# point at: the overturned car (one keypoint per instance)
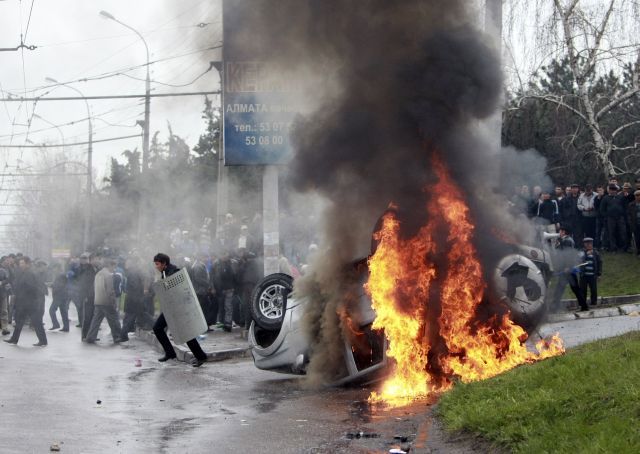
(279, 343)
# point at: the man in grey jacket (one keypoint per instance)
(105, 304)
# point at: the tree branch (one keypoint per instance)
(623, 127)
(591, 60)
(559, 102)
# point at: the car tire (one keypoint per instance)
(269, 300)
(521, 285)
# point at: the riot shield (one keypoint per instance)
(180, 306)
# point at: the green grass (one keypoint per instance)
(621, 276)
(587, 401)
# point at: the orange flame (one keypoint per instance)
(407, 289)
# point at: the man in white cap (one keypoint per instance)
(591, 271)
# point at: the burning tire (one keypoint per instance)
(269, 300)
(521, 285)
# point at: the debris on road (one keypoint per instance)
(358, 435)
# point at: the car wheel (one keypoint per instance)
(521, 285)
(269, 300)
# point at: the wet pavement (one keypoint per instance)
(95, 399)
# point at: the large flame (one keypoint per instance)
(407, 288)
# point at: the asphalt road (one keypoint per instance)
(50, 395)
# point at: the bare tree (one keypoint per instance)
(598, 38)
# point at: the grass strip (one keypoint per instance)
(587, 401)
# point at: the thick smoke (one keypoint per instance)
(413, 78)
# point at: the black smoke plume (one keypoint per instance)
(406, 79)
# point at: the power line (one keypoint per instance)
(75, 174)
(68, 144)
(78, 98)
(118, 71)
(28, 20)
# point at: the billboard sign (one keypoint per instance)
(259, 101)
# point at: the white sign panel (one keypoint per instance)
(180, 306)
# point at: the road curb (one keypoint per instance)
(184, 354)
(616, 311)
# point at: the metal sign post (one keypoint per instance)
(270, 220)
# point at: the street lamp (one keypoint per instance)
(147, 93)
(86, 238)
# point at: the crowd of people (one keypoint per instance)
(223, 269)
(610, 214)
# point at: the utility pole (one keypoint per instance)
(86, 237)
(142, 209)
(221, 185)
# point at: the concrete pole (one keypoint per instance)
(270, 220)
(86, 238)
(221, 185)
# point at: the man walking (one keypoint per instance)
(105, 304)
(27, 290)
(134, 313)
(5, 290)
(60, 295)
(164, 266)
(86, 284)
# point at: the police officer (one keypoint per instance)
(591, 270)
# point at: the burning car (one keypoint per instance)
(279, 343)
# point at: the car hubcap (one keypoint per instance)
(272, 301)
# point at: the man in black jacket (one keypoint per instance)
(569, 213)
(5, 291)
(200, 280)
(27, 291)
(60, 299)
(86, 279)
(225, 280)
(134, 313)
(545, 212)
(614, 211)
(163, 264)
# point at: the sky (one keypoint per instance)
(74, 42)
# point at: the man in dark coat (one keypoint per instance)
(59, 292)
(5, 291)
(27, 291)
(134, 313)
(200, 279)
(613, 209)
(569, 213)
(225, 280)
(633, 210)
(163, 264)
(86, 280)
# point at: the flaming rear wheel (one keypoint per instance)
(268, 302)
